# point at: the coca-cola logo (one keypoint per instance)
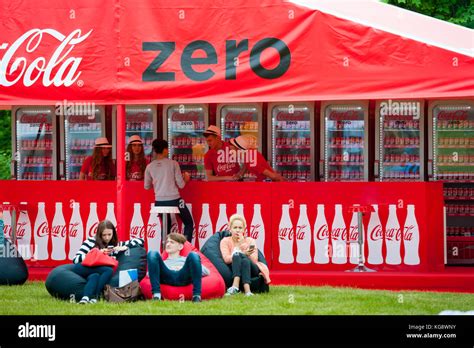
(152, 230)
(21, 230)
(225, 167)
(58, 231)
(43, 230)
(224, 227)
(254, 231)
(393, 234)
(59, 70)
(93, 230)
(453, 115)
(137, 117)
(354, 232)
(186, 116)
(137, 231)
(296, 116)
(241, 116)
(322, 232)
(339, 233)
(7, 230)
(301, 232)
(136, 176)
(203, 231)
(73, 229)
(344, 115)
(286, 233)
(36, 118)
(376, 233)
(79, 119)
(408, 233)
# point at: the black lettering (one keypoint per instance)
(187, 61)
(283, 51)
(232, 51)
(150, 73)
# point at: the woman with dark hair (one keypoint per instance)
(99, 166)
(136, 163)
(106, 240)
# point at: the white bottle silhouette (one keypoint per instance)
(411, 238)
(393, 237)
(153, 231)
(240, 209)
(375, 237)
(7, 222)
(174, 224)
(303, 237)
(23, 232)
(354, 238)
(75, 231)
(41, 231)
(205, 226)
(111, 214)
(58, 234)
(321, 237)
(92, 221)
(257, 228)
(339, 237)
(285, 236)
(137, 227)
(222, 220)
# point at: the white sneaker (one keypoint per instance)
(84, 300)
(248, 294)
(93, 300)
(232, 291)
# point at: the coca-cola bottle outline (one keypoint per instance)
(222, 223)
(205, 223)
(110, 215)
(338, 237)
(286, 233)
(24, 232)
(375, 246)
(392, 229)
(353, 234)
(303, 236)
(411, 232)
(92, 221)
(7, 222)
(137, 226)
(154, 221)
(41, 225)
(75, 230)
(321, 248)
(58, 234)
(258, 227)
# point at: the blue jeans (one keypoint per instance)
(160, 274)
(97, 278)
(184, 215)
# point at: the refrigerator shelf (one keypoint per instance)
(37, 165)
(82, 148)
(36, 133)
(92, 132)
(241, 130)
(400, 130)
(453, 181)
(460, 198)
(293, 163)
(131, 132)
(345, 130)
(346, 163)
(401, 146)
(187, 130)
(401, 163)
(37, 148)
(456, 130)
(401, 179)
(346, 146)
(455, 164)
(460, 147)
(299, 147)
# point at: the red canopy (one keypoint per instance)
(161, 51)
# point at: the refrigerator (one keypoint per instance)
(34, 142)
(399, 140)
(451, 160)
(79, 128)
(183, 126)
(241, 119)
(344, 141)
(139, 120)
(292, 138)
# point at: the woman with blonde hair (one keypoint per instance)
(242, 254)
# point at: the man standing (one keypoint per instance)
(217, 165)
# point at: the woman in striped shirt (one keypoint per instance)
(106, 240)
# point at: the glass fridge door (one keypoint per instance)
(35, 143)
(241, 119)
(291, 141)
(400, 141)
(80, 134)
(345, 139)
(139, 120)
(185, 127)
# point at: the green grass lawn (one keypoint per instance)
(33, 299)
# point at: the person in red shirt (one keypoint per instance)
(216, 163)
(135, 166)
(254, 162)
(99, 166)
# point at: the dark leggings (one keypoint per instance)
(184, 214)
(244, 268)
(97, 278)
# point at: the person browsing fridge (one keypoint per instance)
(241, 253)
(217, 166)
(106, 240)
(137, 162)
(99, 166)
(164, 176)
(176, 270)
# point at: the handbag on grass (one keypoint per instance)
(127, 293)
(95, 258)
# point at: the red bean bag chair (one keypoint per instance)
(213, 285)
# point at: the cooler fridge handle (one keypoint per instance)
(62, 169)
(321, 169)
(376, 168)
(430, 168)
(13, 169)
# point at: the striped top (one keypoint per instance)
(89, 244)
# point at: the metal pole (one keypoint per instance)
(121, 227)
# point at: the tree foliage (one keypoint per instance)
(459, 12)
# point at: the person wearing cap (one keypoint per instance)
(254, 162)
(136, 160)
(216, 166)
(99, 166)
(164, 176)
